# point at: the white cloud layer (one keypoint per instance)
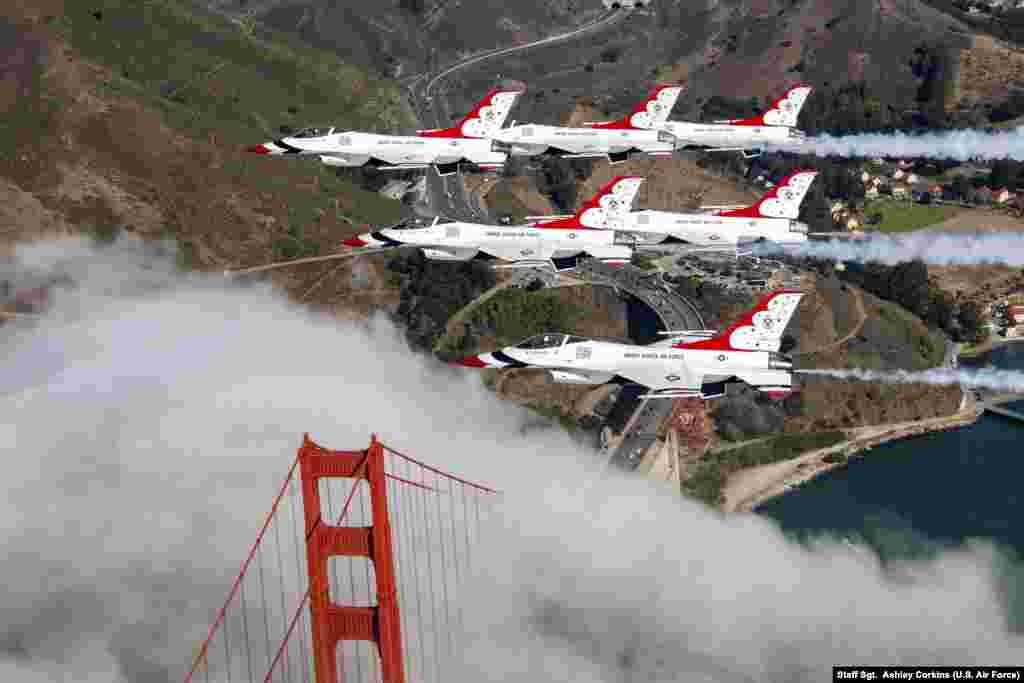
(150, 418)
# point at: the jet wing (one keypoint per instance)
(527, 250)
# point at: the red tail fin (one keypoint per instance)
(760, 329)
(611, 203)
(484, 121)
(783, 112)
(650, 113)
(782, 201)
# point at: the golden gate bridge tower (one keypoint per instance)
(355, 575)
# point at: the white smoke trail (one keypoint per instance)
(934, 248)
(981, 378)
(962, 145)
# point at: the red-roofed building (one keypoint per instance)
(29, 300)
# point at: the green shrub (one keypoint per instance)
(294, 245)
(708, 479)
(102, 233)
(514, 314)
(705, 483)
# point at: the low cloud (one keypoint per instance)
(152, 415)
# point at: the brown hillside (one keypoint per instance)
(669, 184)
(85, 145)
(986, 68)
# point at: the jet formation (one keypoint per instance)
(691, 363)
(606, 229)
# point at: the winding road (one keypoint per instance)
(452, 197)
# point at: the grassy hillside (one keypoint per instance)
(905, 216)
(137, 114)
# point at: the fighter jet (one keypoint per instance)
(718, 228)
(748, 351)
(447, 150)
(637, 132)
(558, 242)
(775, 127)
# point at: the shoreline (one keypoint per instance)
(745, 490)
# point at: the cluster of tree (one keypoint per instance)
(1006, 173)
(559, 179)
(838, 179)
(432, 292)
(515, 314)
(909, 285)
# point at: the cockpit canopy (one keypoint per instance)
(313, 132)
(542, 341)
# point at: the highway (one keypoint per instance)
(675, 312)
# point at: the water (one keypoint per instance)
(912, 498)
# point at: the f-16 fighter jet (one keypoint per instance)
(447, 149)
(748, 351)
(559, 242)
(775, 127)
(636, 132)
(772, 218)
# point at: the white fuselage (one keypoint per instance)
(709, 229)
(659, 367)
(729, 136)
(352, 148)
(531, 140)
(462, 241)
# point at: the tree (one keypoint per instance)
(909, 286)
(961, 186)
(972, 324)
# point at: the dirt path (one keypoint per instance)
(465, 310)
(748, 488)
(859, 300)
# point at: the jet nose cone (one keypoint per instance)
(355, 242)
(469, 362)
(259, 149)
